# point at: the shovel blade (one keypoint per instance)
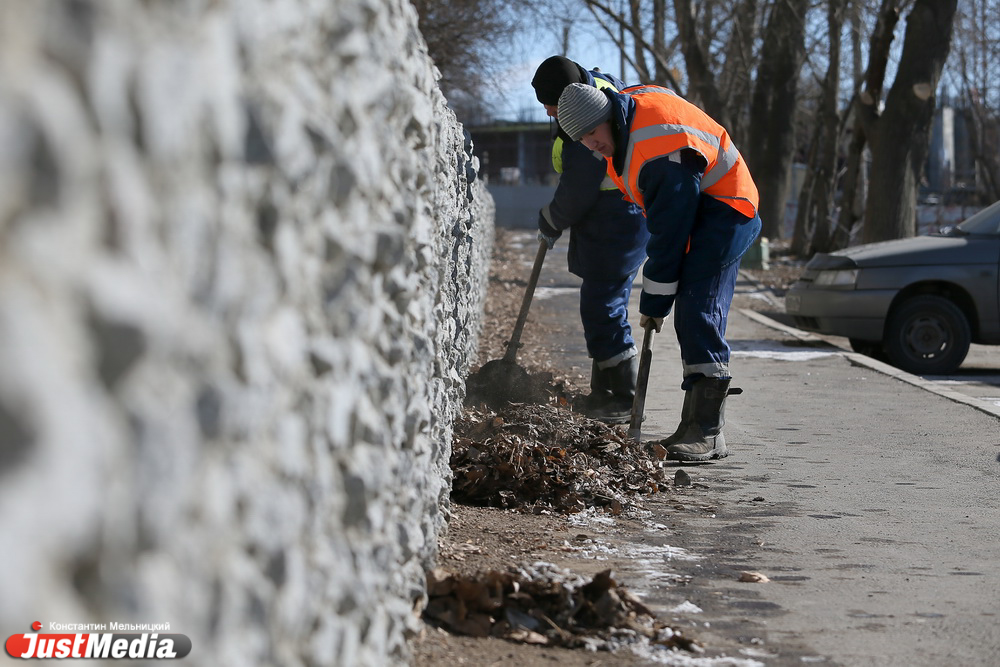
(497, 383)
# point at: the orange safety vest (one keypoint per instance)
(664, 123)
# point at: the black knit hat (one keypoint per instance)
(553, 75)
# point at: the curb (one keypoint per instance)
(875, 365)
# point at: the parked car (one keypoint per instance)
(918, 303)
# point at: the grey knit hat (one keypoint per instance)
(581, 109)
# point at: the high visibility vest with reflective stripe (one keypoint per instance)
(557, 146)
(664, 123)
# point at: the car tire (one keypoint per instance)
(927, 335)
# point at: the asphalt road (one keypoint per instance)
(868, 497)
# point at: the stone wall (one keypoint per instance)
(242, 259)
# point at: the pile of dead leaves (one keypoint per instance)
(543, 605)
(542, 457)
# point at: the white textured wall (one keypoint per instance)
(242, 258)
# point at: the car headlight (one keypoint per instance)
(841, 278)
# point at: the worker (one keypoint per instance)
(607, 241)
(700, 201)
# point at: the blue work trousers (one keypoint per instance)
(604, 314)
(701, 312)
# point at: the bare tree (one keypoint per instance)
(703, 50)
(771, 145)
(653, 45)
(703, 88)
(864, 107)
(816, 200)
(463, 38)
(901, 136)
(740, 63)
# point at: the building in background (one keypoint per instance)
(516, 163)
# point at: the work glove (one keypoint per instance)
(550, 241)
(546, 232)
(657, 322)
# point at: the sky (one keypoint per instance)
(587, 46)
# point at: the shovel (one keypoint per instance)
(642, 379)
(503, 379)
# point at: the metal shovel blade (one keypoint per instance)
(499, 382)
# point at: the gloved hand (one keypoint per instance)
(546, 232)
(657, 322)
(550, 241)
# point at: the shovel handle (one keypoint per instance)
(639, 402)
(529, 291)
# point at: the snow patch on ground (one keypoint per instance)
(677, 658)
(597, 550)
(542, 293)
(590, 517)
(784, 356)
(652, 552)
(769, 349)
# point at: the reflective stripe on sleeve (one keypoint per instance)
(650, 286)
(727, 160)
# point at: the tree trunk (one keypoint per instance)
(812, 222)
(900, 141)
(640, 58)
(702, 89)
(736, 78)
(865, 108)
(770, 150)
(659, 25)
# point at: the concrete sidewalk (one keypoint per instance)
(868, 499)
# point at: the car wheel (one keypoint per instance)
(927, 334)
(869, 348)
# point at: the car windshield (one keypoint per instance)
(986, 221)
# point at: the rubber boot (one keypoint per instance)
(600, 391)
(621, 379)
(682, 427)
(703, 439)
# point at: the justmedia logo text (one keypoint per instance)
(104, 645)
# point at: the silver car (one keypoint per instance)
(917, 302)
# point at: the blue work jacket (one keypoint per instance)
(608, 235)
